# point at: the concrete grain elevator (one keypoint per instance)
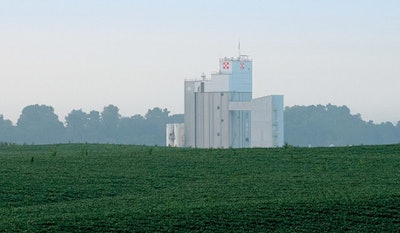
(221, 113)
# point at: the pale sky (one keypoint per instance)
(86, 54)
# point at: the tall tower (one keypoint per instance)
(209, 119)
(234, 75)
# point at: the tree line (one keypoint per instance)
(326, 125)
(38, 124)
(315, 125)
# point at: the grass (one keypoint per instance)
(118, 188)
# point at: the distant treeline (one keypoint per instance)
(304, 126)
(38, 124)
(334, 125)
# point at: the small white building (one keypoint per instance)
(175, 135)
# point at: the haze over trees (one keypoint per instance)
(38, 124)
(321, 125)
(334, 125)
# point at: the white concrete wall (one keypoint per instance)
(218, 83)
(212, 120)
(189, 116)
(267, 121)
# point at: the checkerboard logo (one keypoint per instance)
(225, 65)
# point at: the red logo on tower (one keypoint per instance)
(225, 65)
(242, 65)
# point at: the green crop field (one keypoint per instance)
(119, 188)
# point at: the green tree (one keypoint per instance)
(156, 119)
(132, 130)
(39, 124)
(95, 132)
(7, 130)
(77, 123)
(110, 118)
(176, 118)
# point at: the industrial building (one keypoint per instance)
(221, 113)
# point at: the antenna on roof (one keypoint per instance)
(239, 49)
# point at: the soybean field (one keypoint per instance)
(126, 188)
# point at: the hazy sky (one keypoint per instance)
(86, 54)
